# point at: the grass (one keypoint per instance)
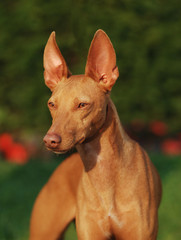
(170, 209)
(19, 186)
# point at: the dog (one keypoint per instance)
(110, 187)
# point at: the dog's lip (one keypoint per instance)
(58, 151)
(61, 152)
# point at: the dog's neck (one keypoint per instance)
(104, 151)
(103, 156)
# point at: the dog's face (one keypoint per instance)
(78, 110)
(78, 103)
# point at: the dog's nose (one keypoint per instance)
(52, 140)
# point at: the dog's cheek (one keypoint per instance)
(84, 128)
(90, 128)
(99, 118)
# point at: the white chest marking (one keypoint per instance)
(104, 223)
(116, 220)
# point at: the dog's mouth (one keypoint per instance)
(63, 151)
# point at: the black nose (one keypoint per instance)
(52, 140)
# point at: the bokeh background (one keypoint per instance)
(146, 35)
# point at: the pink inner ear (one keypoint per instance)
(54, 63)
(52, 55)
(53, 77)
(101, 60)
(59, 71)
(50, 82)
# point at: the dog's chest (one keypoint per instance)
(101, 205)
(109, 222)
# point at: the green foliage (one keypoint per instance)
(21, 184)
(146, 36)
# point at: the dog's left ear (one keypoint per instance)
(101, 61)
(54, 64)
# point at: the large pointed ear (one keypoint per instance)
(54, 64)
(101, 61)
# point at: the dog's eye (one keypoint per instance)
(51, 104)
(82, 105)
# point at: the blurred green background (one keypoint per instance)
(146, 35)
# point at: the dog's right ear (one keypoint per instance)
(54, 64)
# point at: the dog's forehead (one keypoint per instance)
(76, 85)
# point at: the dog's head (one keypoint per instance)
(78, 103)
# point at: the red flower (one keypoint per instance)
(158, 128)
(17, 154)
(171, 147)
(6, 142)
